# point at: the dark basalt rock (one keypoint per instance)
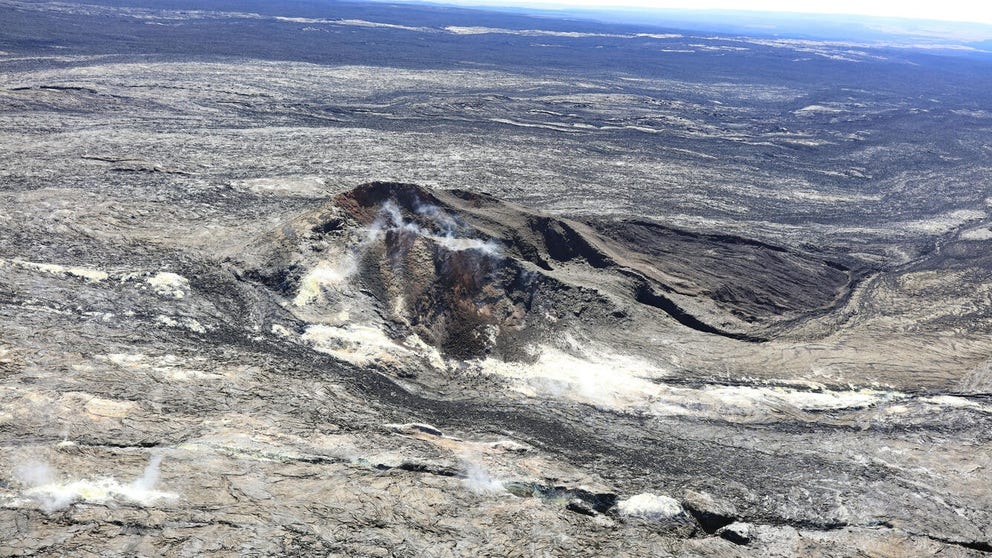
(575, 499)
(737, 533)
(711, 512)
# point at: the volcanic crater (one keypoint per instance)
(477, 277)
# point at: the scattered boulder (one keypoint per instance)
(737, 533)
(664, 512)
(711, 512)
(650, 506)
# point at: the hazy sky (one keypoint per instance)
(974, 11)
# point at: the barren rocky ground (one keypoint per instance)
(360, 280)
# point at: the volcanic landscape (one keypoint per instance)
(356, 279)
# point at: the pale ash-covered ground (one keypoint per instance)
(157, 399)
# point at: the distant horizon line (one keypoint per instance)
(559, 8)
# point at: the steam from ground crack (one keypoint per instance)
(150, 477)
(478, 479)
(43, 487)
(391, 218)
(34, 473)
(337, 271)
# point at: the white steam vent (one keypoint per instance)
(478, 479)
(50, 494)
(391, 219)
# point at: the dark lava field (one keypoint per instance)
(320, 278)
